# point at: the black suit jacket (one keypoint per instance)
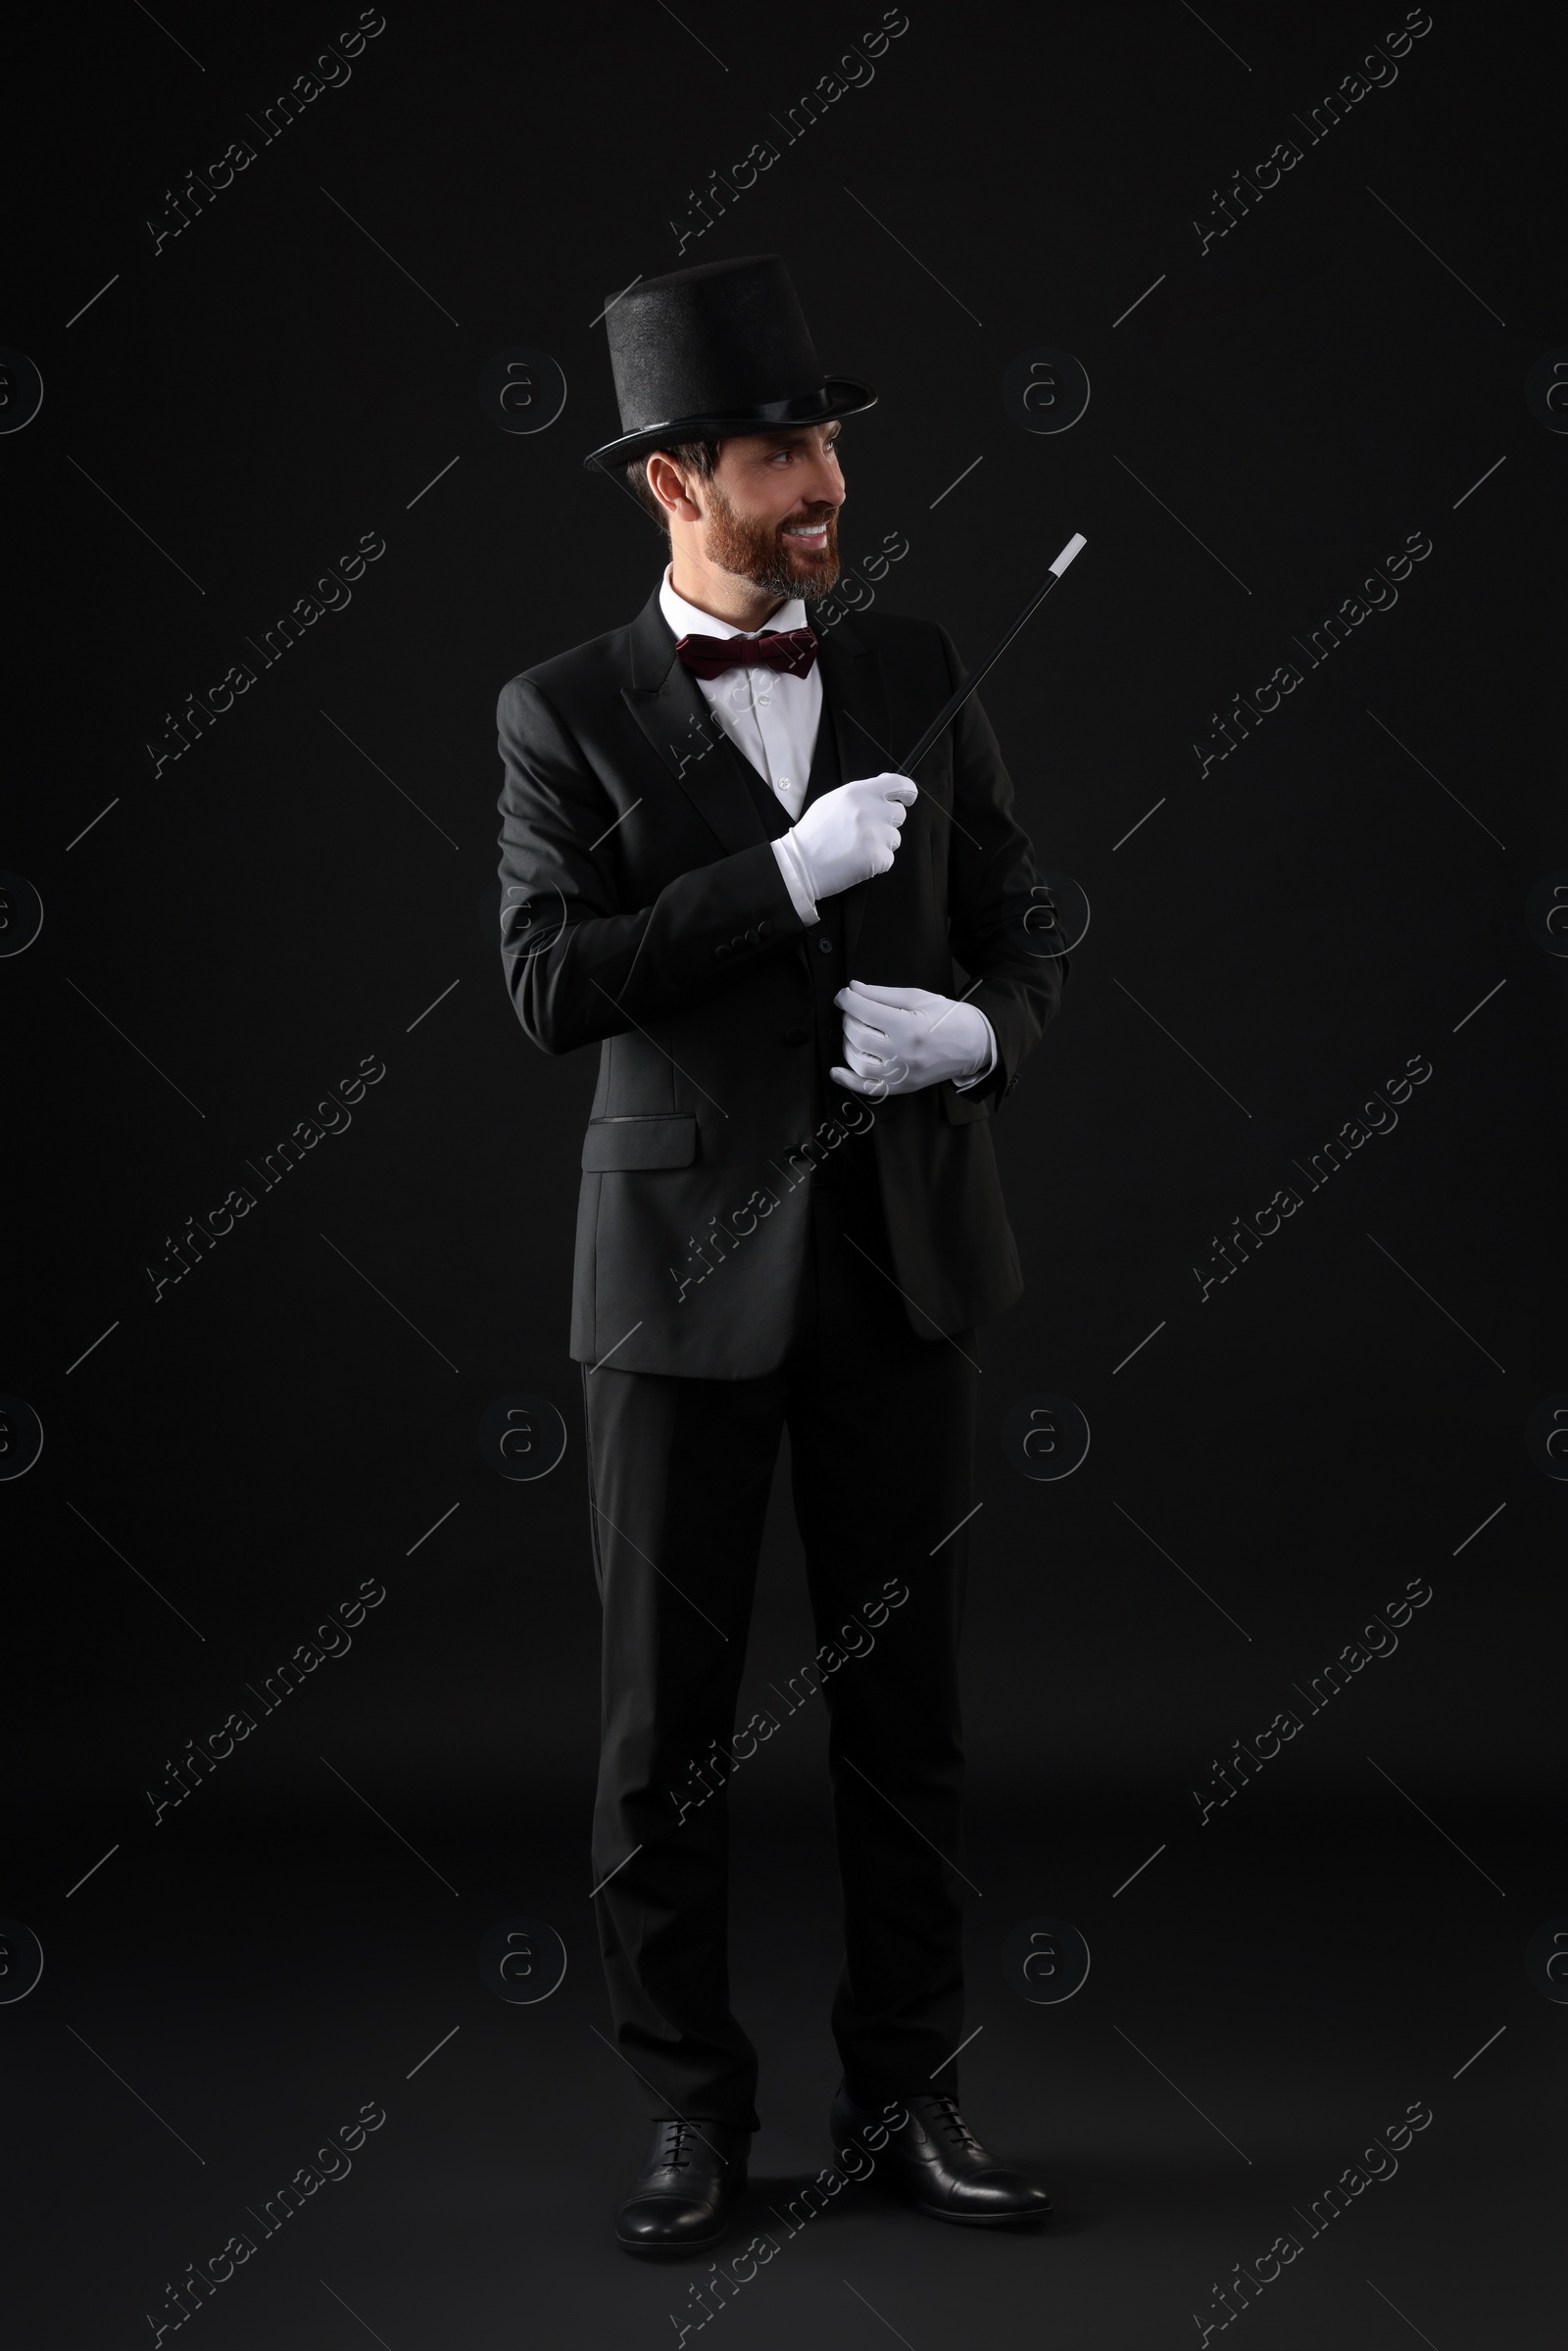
(644, 911)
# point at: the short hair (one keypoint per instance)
(698, 456)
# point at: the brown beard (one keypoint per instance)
(758, 551)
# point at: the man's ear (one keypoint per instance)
(667, 483)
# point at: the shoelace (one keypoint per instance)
(952, 2121)
(672, 2154)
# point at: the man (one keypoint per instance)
(789, 1216)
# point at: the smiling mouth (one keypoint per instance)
(811, 537)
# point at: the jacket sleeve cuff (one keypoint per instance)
(963, 1084)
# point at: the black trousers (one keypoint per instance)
(881, 1429)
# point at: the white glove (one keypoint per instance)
(897, 1040)
(851, 833)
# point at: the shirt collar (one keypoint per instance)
(688, 620)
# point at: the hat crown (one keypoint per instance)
(718, 340)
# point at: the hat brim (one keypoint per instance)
(840, 395)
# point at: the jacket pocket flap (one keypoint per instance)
(666, 1139)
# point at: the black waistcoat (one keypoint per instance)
(821, 948)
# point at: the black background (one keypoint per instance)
(1278, 938)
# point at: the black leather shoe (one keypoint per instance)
(936, 2159)
(682, 2197)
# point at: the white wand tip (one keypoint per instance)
(1068, 552)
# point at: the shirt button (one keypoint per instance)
(825, 943)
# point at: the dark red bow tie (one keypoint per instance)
(792, 650)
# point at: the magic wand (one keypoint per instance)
(955, 702)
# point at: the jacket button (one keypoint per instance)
(1011, 1084)
(751, 938)
(825, 943)
(721, 953)
(765, 930)
(797, 1035)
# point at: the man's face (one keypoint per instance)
(770, 512)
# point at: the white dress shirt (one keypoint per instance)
(771, 718)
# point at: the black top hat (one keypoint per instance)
(723, 348)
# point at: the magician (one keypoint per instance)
(812, 992)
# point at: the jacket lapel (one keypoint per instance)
(664, 698)
(854, 696)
